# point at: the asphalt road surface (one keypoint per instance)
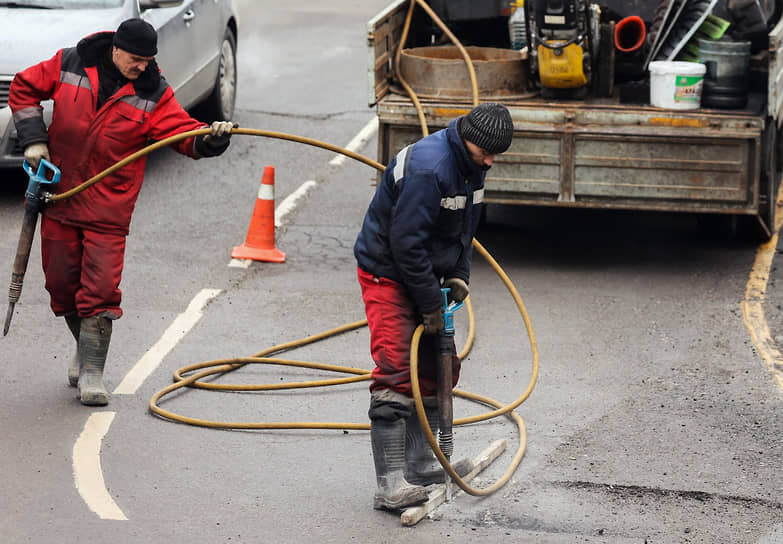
(655, 417)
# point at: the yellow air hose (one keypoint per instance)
(191, 375)
(223, 366)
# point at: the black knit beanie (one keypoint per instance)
(138, 37)
(489, 126)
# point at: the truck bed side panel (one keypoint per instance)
(383, 38)
(633, 158)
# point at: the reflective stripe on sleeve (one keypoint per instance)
(454, 202)
(28, 113)
(399, 167)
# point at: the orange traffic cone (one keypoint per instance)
(260, 240)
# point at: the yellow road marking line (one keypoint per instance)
(755, 294)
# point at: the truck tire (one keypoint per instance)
(219, 105)
(724, 101)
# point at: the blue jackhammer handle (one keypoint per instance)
(39, 177)
(448, 312)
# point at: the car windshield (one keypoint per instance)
(61, 4)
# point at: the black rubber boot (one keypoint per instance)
(388, 449)
(74, 324)
(94, 338)
(421, 465)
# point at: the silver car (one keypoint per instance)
(197, 41)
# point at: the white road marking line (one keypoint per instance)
(181, 326)
(87, 472)
(288, 205)
(240, 263)
(358, 141)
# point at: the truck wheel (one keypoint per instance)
(219, 106)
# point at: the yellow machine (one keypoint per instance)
(561, 68)
(560, 41)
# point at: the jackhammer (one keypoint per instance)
(445, 385)
(35, 198)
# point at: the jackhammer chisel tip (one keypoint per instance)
(8, 318)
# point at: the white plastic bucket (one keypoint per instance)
(676, 85)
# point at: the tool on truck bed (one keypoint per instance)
(560, 46)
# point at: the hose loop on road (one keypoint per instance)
(193, 375)
(185, 377)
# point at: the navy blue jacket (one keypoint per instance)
(420, 224)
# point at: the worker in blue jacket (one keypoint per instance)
(416, 238)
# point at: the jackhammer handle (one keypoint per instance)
(29, 223)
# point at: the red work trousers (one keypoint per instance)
(82, 268)
(392, 317)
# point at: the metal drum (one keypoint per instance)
(440, 72)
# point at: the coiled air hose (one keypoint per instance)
(185, 377)
(191, 375)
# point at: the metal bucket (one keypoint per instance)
(440, 72)
(726, 80)
(725, 59)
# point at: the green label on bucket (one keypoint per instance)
(687, 88)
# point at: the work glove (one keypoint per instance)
(33, 154)
(433, 321)
(458, 289)
(220, 133)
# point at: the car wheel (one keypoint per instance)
(219, 106)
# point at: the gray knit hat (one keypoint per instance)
(489, 126)
(138, 37)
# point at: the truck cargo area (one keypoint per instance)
(615, 151)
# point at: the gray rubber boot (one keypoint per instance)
(388, 450)
(421, 465)
(74, 323)
(94, 337)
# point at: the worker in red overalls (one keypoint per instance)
(416, 238)
(109, 102)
